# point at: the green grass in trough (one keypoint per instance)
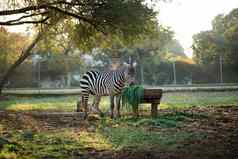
(132, 96)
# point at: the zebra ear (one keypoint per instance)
(134, 64)
(130, 60)
(126, 64)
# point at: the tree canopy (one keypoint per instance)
(91, 20)
(11, 45)
(220, 41)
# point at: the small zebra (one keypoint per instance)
(108, 83)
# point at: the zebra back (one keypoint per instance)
(103, 83)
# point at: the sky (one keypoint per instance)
(188, 17)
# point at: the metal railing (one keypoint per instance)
(77, 90)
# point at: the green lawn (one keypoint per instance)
(188, 99)
(169, 100)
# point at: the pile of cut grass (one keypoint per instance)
(132, 96)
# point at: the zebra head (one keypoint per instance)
(130, 72)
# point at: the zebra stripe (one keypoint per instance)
(102, 83)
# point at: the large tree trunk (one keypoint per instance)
(25, 53)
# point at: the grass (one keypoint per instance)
(66, 143)
(169, 100)
(146, 133)
(39, 103)
(164, 133)
(190, 99)
(109, 135)
(59, 145)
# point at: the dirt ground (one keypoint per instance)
(221, 129)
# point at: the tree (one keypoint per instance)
(204, 47)
(230, 34)
(220, 41)
(11, 45)
(175, 47)
(219, 46)
(93, 21)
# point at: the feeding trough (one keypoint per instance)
(152, 96)
(135, 95)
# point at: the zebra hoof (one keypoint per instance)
(118, 116)
(108, 113)
(112, 116)
(85, 116)
(102, 115)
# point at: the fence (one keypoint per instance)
(65, 72)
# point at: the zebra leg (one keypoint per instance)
(118, 106)
(91, 108)
(97, 100)
(85, 104)
(112, 105)
(79, 105)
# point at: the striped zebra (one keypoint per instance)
(108, 83)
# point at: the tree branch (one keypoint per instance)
(22, 10)
(42, 6)
(71, 14)
(47, 7)
(92, 22)
(24, 17)
(13, 22)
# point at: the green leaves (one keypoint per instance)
(221, 40)
(93, 20)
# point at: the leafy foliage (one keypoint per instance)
(91, 22)
(221, 40)
(175, 47)
(11, 46)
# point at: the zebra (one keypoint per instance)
(107, 83)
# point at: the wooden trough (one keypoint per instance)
(152, 96)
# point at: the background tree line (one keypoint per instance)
(219, 45)
(65, 59)
(72, 44)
